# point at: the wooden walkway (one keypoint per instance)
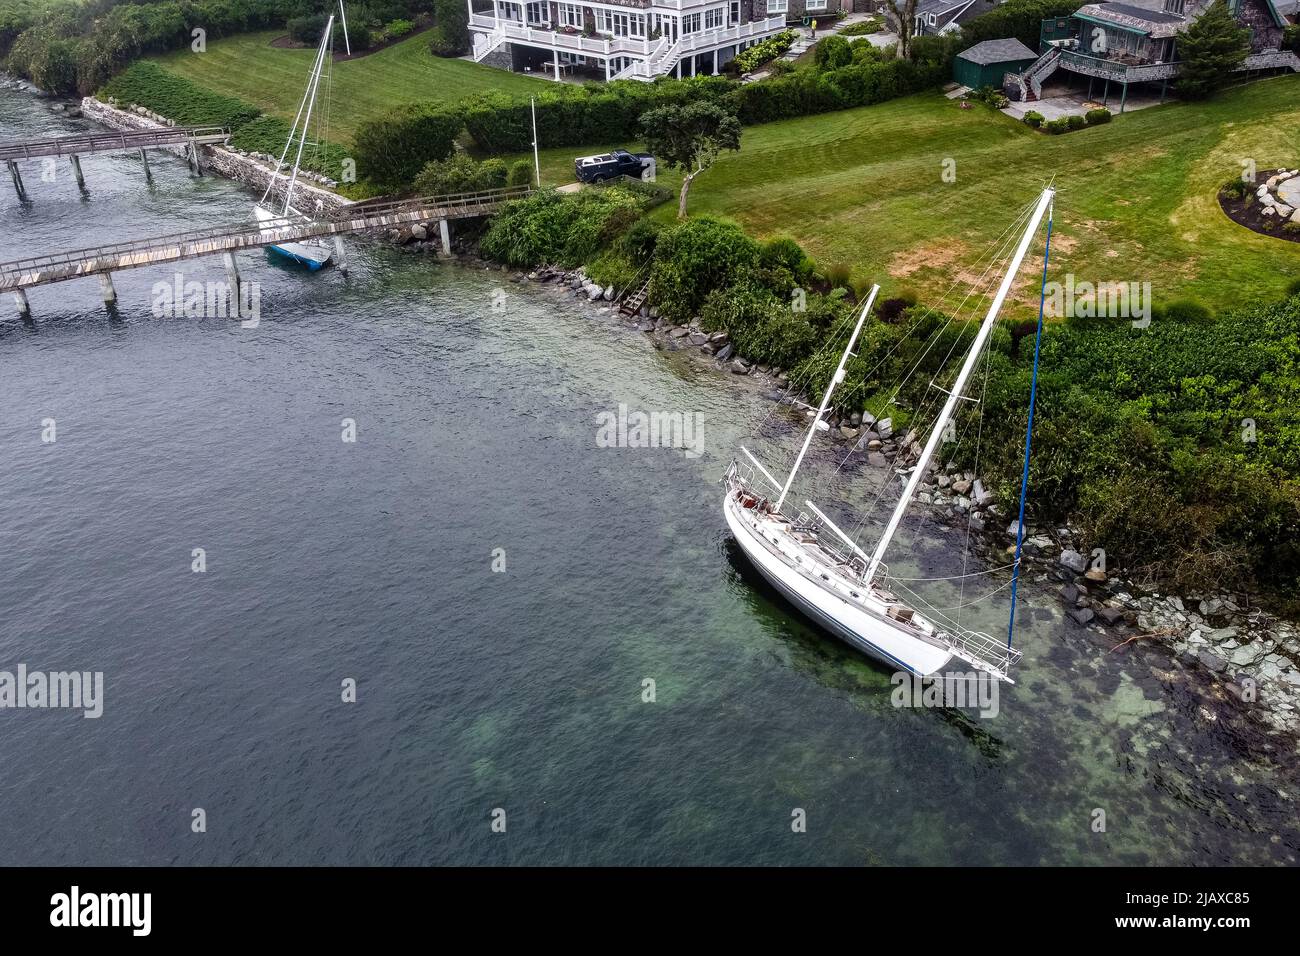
(114, 141)
(21, 274)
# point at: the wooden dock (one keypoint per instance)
(191, 137)
(22, 274)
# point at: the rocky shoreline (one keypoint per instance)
(1243, 657)
(1240, 656)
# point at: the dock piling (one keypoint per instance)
(20, 300)
(106, 288)
(144, 158)
(340, 258)
(76, 169)
(18, 181)
(445, 232)
(232, 273)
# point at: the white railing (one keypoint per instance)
(608, 46)
(485, 43)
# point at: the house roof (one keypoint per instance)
(1155, 23)
(998, 51)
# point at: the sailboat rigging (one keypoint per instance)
(312, 254)
(821, 569)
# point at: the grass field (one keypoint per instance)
(1136, 197)
(249, 68)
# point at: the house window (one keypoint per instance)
(539, 13)
(636, 25)
(811, 5)
(691, 23)
(570, 15)
(778, 6)
(1174, 6)
(713, 18)
(934, 20)
(604, 21)
(735, 11)
(510, 11)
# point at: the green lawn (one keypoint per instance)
(1136, 197)
(273, 79)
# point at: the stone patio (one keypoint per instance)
(1059, 100)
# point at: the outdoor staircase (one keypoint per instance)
(1031, 80)
(632, 304)
(486, 43)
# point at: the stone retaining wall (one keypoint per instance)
(222, 160)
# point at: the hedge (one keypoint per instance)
(391, 149)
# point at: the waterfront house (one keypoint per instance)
(1137, 42)
(939, 17)
(625, 39)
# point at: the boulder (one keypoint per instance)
(699, 338)
(1082, 614)
(1095, 574)
(961, 487)
(1073, 560)
(885, 428)
(419, 233)
(609, 293)
(1213, 661)
(848, 431)
(1111, 615)
(1284, 210)
(725, 352)
(738, 367)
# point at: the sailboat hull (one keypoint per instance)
(312, 258)
(846, 620)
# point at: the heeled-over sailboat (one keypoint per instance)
(823, 572)
(310, 253)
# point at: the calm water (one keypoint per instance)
(478, 690)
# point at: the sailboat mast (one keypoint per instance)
(284, 153)
(306, 122)
(826, 399)
(954, 396)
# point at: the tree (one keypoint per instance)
(904, 20)
(450, 34)
(689, 137)
(1213, 46)
(832, 53)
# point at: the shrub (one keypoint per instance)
(450, 33)
(307, 29)
(393, 148)
(1098, 116)
(751, 59)
(521, 173)
(639, 242)
(563, 228)
(1292, 228)
(1056, 126)
(1185, 310)
(1235, 188)
(696, 257)
(149, 85)
(460, 174)
(832, 53)
(1075, 122)
(1034, 118)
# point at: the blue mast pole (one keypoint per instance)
(1029, 429)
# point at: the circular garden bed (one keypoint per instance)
(1270, 205)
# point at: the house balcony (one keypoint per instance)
(649, 57)
(1121, 68)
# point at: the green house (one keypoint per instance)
(986, 63)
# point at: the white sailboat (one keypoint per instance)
(823, 572)
(310, 253)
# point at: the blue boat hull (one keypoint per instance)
(311, 262)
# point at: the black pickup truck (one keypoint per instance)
(594, 169)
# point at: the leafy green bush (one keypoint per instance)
(1075, 122)
(696, 257)
(307, 29)
(566, 229)
(521, 173)
(832, 53)
(1033, 118)
(1061, 125)
(755, 56)
(1235, 188)
(1098, 116)
(393, 148)
(460, 174)
(1185, 310)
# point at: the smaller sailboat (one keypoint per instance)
(309, 253)
(825, 574)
